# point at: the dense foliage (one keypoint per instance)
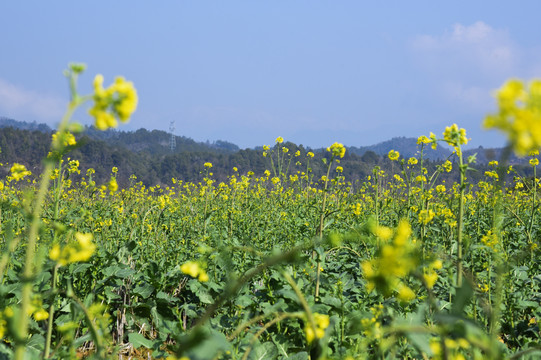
(284, 264)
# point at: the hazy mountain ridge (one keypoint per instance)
(407, 147)
(7, 122)
(157, 142)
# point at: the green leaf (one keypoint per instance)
(420, 341)
(138, 340)
(34, 346)
(80, 267)
(5, 352)
(332, 301)
(264, 351)
(243, 301)
(462, 298)
(303, 355)
(144, 290)
(205, 297)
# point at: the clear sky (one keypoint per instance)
(314, 72)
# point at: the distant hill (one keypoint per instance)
(157, 142)
(154, 141)
(407, 147)
(21, 125)
(147, 155)
(483, 156)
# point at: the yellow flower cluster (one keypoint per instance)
(337, 150)
(447, 166)
(519, 115)
(195, 270)
(423, 140)
(36, 309)
(393, 155)
(430, 276)
(426, 216)
(372, 325)
(71, 253)
(73, 166)
(455, 136)
(492, 174)
(19, 171)
(112, 185)
(321, 323)
(117, 101)
(395, 260)
(279, 140)
(428, 140)
(491, 240)
(452, 349)
(63, 139)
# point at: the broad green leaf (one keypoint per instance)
(138, 340)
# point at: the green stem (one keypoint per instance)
(302, 300)
(28, 272)
(320, 229)
(51, 317)
(460, 218)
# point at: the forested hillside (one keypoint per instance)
(147, 155)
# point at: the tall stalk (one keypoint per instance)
(321, 221)
(460, 218)
(28, 272)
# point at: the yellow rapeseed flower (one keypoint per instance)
(455, 136)
(321, 322)
(393, 262)
(440, 188)
(425, 216)
(118, 101)
(337, 150)
(447, 166)
(75, 252)
(112, 185)
(384, 232)
(423, 140)
(518, 115)
(195, 270)
(492, 174)
(19, 171)
(63, 139)
(393, 155)
(41, 314)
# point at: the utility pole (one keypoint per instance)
(173, 139)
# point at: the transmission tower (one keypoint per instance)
(173, 139)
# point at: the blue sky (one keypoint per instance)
(314, 72)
